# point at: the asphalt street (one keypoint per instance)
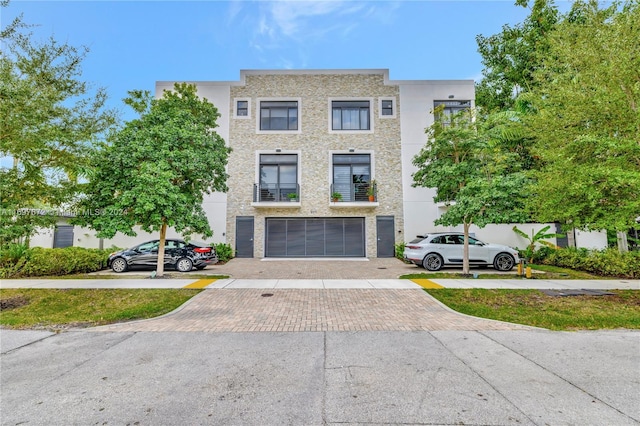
(532, 377)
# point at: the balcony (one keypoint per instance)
(359, 195)
(273, 195)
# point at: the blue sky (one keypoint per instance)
(133, 44)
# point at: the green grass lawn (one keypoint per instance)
(64, 308)
(532, 307)
(540, 272)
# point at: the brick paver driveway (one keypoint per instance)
(346, 269)
(286, 310)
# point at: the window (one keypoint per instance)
(443, 110)
(351, 176)
(242, 108)
(350, 115)
(279, 115)
(278, 177)
(386, 107)
(150, 246)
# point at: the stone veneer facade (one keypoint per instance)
(315, 143)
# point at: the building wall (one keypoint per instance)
(315, 144)
(215, 204)
(417, 98)
(393, 143)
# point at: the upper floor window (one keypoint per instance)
(350, 115)
(279, 115)
(242, 108)
(351, 176)
(445, 109)
(387, 107)
(278, 177)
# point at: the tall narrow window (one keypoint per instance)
(278, 176)
(350, 115)
(387, 107)
(279, 115)
(242, 108)
(352, 176)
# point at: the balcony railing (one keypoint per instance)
(354, 192)
(276, 193)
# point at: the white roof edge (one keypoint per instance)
(365, 71)
(442, 82)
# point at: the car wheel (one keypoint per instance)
(504, 262)
(184, 265)
(119, 265)
(432, 262)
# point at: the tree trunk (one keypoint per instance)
(623, 244)
(163, 237)
(465, 253)
(571, 237)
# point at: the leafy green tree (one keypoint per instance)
(511, 56)
(49, 119)
(155, 171)
(473, 170)
(586, 118)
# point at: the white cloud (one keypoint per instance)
(303, 23)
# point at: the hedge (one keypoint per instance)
(608, 262)
(38, 261)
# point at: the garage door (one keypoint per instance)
(319, 237)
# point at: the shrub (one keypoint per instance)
(224, 252)
(608, 262)
(40, 261)
(542, 253)
(399, 251)
(11, 254)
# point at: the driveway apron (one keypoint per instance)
(295, 310)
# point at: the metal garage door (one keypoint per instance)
(318, 237)
(63, 236)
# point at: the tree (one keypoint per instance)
(586, 117)
(155, 171)
(474, 171)
(49, 119)
(537, 238)
(511, 56)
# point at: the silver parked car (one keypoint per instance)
(435, 250)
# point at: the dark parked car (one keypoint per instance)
(178, 254)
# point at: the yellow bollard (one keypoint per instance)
(528, 271)
(520, 271)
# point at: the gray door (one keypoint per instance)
(244, 236)
(386, 237)
(63, 236)
(564, 240)
(317, 237)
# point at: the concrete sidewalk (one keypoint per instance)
(230, 283)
